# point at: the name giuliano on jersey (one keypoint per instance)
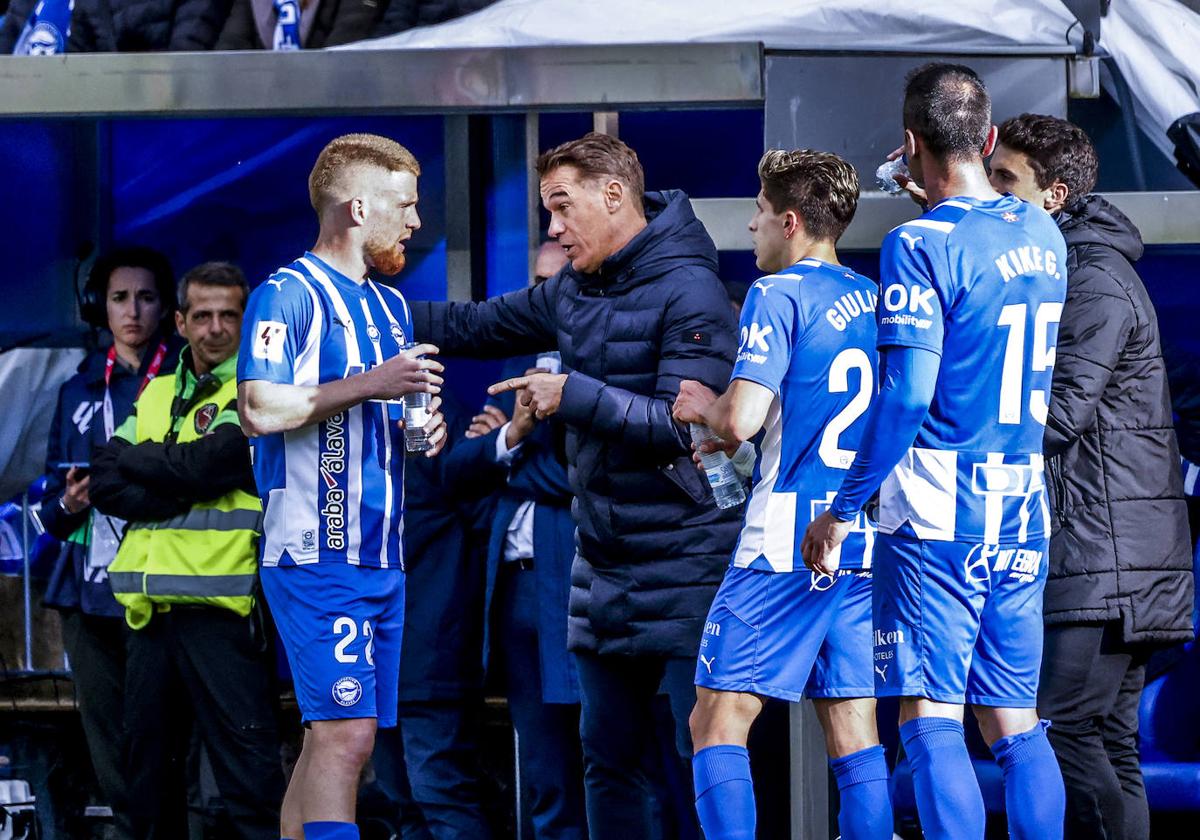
(982, 283)
(331, 491)
(808, 334)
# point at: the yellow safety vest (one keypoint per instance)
(208, 555)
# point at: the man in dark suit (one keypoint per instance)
(429, 764)
(529, 581)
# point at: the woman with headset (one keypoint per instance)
(130, 297)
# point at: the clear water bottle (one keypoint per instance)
(549, 361)
(416, 416)
(722, 477)
(885, 175)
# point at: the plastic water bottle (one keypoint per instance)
(722, 477)
(549, 361)
(885, 175)
(416, 416)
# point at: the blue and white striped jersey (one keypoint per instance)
(981, 283)
(332, 491)
(807, 334)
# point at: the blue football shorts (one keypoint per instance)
(959, 622)
(789, 635)
(341, 627)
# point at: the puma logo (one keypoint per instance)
(277, 282)
(708, 663)
(910, 239)
(762, 287)
(882, 672)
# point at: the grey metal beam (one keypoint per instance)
(348, 81)
(851, 104)
(1164, 218)
(532, 183)
(809, 782)
(457, 150)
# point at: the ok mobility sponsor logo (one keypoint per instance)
(909, 304)
(333, 467)
(754, 346)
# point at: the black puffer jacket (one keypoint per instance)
(652, 544)
(405, 14)
(146, 25)
(1120, 546)
(14, 21)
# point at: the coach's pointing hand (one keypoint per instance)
(406, 373)
(541, 392)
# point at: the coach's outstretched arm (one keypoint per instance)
(909, 378)
(514, 324)
(697, 343)
(267, 408)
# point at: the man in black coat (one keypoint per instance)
(638, 309)
(1120, 581)
(146, 25)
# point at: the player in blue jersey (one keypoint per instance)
(804, 376)
(968, 314)
(319, 373)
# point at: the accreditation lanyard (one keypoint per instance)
(110, 426)
(108, 531)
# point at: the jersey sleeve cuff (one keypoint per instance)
(282, 378)
(749, 376)
(884, 344)
(843, 510)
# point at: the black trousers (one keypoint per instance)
(202, 664)
(96, 648)
(618, 730)
(1091, 685)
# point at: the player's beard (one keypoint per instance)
(385, 255)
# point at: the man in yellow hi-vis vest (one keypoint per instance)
(178, 472)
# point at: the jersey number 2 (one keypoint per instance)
(1012, 374)
(853, 358)
(346, 627)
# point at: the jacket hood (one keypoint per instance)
(673, 237)
(1096, 222)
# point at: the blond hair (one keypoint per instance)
(351, 150)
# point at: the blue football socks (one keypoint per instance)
(866, 809)
(330, 831)
(948, 798)
(1033, 786)
(724, 792)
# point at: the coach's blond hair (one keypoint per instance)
(350, 150)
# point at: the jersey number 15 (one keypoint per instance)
(1012, 375)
